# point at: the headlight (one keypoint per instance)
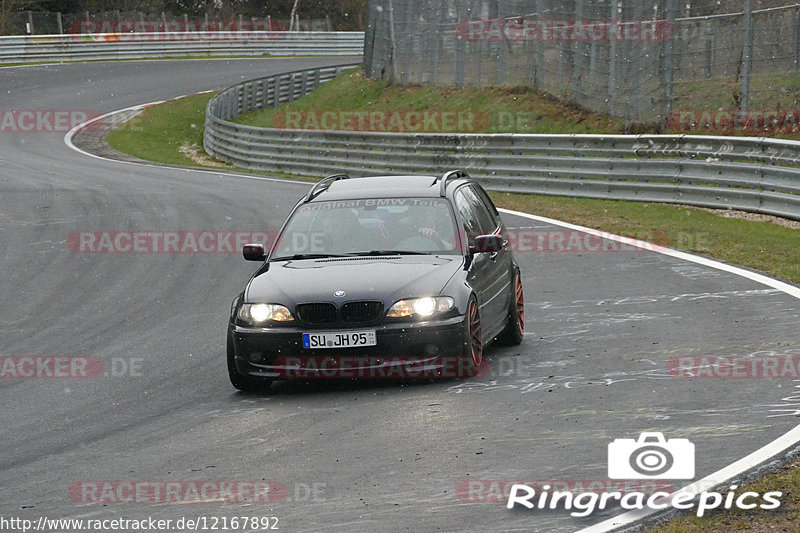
(259, 314)
(423, 307)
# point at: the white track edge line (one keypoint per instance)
(786, 441)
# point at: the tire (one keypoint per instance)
(472, 355)
(240, 382)
(515, 327)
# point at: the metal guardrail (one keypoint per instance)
(752, 174)
(23, 49)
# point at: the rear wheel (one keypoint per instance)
(473, 343)
(239, 381)
(515, 328)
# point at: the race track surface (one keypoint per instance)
(375, 456)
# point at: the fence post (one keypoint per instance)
(796, 25)
(579, 49)
(708, 29)
(459, 46)
(31, 30)
(668, 74)
(747, 57)
(58, 23)
(540, 81)
(612, 61)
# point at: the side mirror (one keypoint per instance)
(487, 243)
(254, 252)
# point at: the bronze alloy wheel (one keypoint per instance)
(475, 336)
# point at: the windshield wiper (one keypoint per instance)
(298, 257)
(390, 252)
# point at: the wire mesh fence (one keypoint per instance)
(633, 59)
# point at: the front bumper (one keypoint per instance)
(404, 350)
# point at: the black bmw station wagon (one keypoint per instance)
(389, 276)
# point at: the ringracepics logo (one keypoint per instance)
(649, 457)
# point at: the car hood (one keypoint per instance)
(362, 278)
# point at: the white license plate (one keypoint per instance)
(339, 339)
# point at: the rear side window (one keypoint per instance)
(474, 214)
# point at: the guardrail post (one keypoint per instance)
(316, 79)
(292, 85)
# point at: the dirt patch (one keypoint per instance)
(745, 215)
(192, 151)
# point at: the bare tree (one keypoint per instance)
(292, 15)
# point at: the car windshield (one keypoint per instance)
(393, 226)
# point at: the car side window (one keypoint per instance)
(495, 216)
(485, 222)
(474, 214)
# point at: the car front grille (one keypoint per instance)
(351, 313)
(317, 313)
(361, 312)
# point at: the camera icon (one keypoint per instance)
(651, 457)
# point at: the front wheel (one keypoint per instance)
(473, 342)
(240, 382)
(515, 327)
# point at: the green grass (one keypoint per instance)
(159, 132)
(785, 518)
(763, 246)
(485, 110)
(158, 135)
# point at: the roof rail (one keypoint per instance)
(323, 185)
(453, 174)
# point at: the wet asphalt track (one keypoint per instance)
(383, 456)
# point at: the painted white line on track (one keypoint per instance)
(71, 133)
(762, 455)
(783, 443)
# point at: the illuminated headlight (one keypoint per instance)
(423, 307)
(259, 314)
